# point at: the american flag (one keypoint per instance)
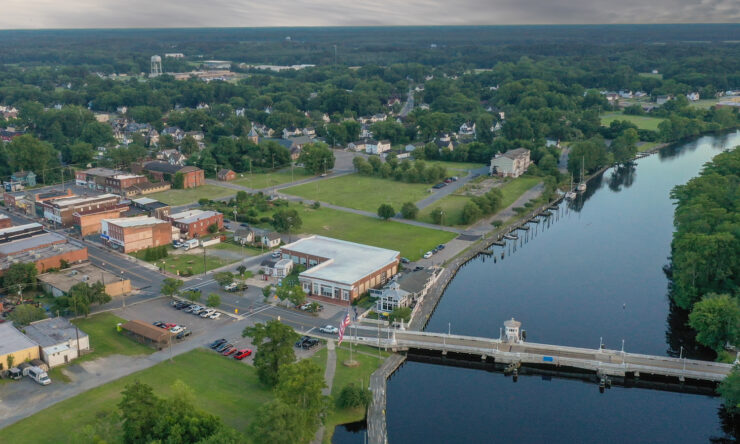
(342, 326)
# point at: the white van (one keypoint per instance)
(39, 376)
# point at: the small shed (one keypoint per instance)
(146, 333)
(226, 175)
(511, 330)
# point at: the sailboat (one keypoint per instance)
(582, 186)
(570, 195)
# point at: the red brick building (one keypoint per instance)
(192, 176)
(30, 243)
(131, 234)
(61, 211)
(195, 223)
(226, 175)
(5, 221)
(108, 180)
(89, 222)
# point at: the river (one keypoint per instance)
(592, 273)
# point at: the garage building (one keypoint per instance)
(60, 340)
(146, 333)
(15, 343)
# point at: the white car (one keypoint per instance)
(177, 329)
(329, 329)
(207, 313)
(215, 315)
(428, 254)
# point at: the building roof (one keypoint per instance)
(148, 331)
(65, 279)
(513, 154)
(347, 262)
(511, 323)
(53, 331)
(20, 228)
(188, 217)
(12, 340)
(415, 281)
(144, 200)
(34, 255)
(78, 200)
(135, 221)
(102, 172)
(27, 243)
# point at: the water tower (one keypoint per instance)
(156, 66)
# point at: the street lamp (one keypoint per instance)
(123, 293)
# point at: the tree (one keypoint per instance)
(24, 314)
(286, 220)
(277, 423)
(716, 319)
(213, 300)
(400, 314)
(409, 210)
(353, 396)
(267, 291)
(301, 385)
(624, 147)
(471, 213)
(437, 214)
(79, 153)
(385, 211)
(293, 293)
(10, 360)
(213, 228)
(171, 286)
(241, 269)
(178, 181)
(317, 158)
(729, 389)
(274, 342)
(224, 277)
(192, 295)
(81, 296)
(138, 408)
(23, 274)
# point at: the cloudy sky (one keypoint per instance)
(34, 14)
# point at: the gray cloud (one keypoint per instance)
(33, 14)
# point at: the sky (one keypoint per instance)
(39, 14)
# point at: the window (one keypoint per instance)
(312, 262)
(326, 291)
(337, 292)
(315, 288)
(306, 287)
(345, 295)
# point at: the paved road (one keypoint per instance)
(409, 105)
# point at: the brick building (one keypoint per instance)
(192, 176)
(108, 180)
(195, 223)
(152, 207)
(29, 201)
(226, 175)
(61, 211)
(31, 243)
(339, 271)
(5, 221)
(135, 233)
(89, 222)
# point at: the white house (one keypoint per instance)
(467, 129)
(512, 163)
(59, 339)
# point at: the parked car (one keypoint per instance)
(216, 343)
(441, 247)
(244, 225)
(329, 329)
(215, 315)
(159, 324)
(428, 254)
(190, 308)
(231, 287)
(454, 178)
(206, 313)
(38, 375)
(183, 334)
(448, 180)
(180, 305)
(439, 185)
(275, 254)
(223, 347)
(418, 268)
(311, 343)
(299, 343)
(405, 260)
(230, 351)
(227, 221)
(241, 354)
(177, 329)
(170, 325)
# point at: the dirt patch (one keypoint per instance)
(480, 188)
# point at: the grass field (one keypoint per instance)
(266, 180)
(193, 262)
(105, 340)
(704, 103)
(225, 387)
(646, 146)
(361, 192)
(191, 195)
(230, 246)
(642, 122)
(452, 206)
(650, 75)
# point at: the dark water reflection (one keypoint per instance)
(591, 272)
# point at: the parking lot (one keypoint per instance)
(160, 310)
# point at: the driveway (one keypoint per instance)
(451, 188)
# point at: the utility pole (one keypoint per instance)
(204, 261)
(123, 293)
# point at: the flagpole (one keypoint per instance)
(350, 342)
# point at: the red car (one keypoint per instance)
(230, 351)
(169, 325)
(243, 354)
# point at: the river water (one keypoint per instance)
(592, 273)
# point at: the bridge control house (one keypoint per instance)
(339, 271)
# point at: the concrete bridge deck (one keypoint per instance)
(605, 362)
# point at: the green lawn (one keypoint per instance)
(704, 103)
(646, 146)
(266, 180)
(230, 246)
(452, 205)
(105, 339)
(361, 192)
(191, 195)
(642, 122)
(411, 241)
(512, 190)
(650, 75)
(225, 387)
(193, 262)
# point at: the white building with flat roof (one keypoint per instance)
(59, 339)
(340, 271)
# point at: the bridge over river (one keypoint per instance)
(513, 352)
